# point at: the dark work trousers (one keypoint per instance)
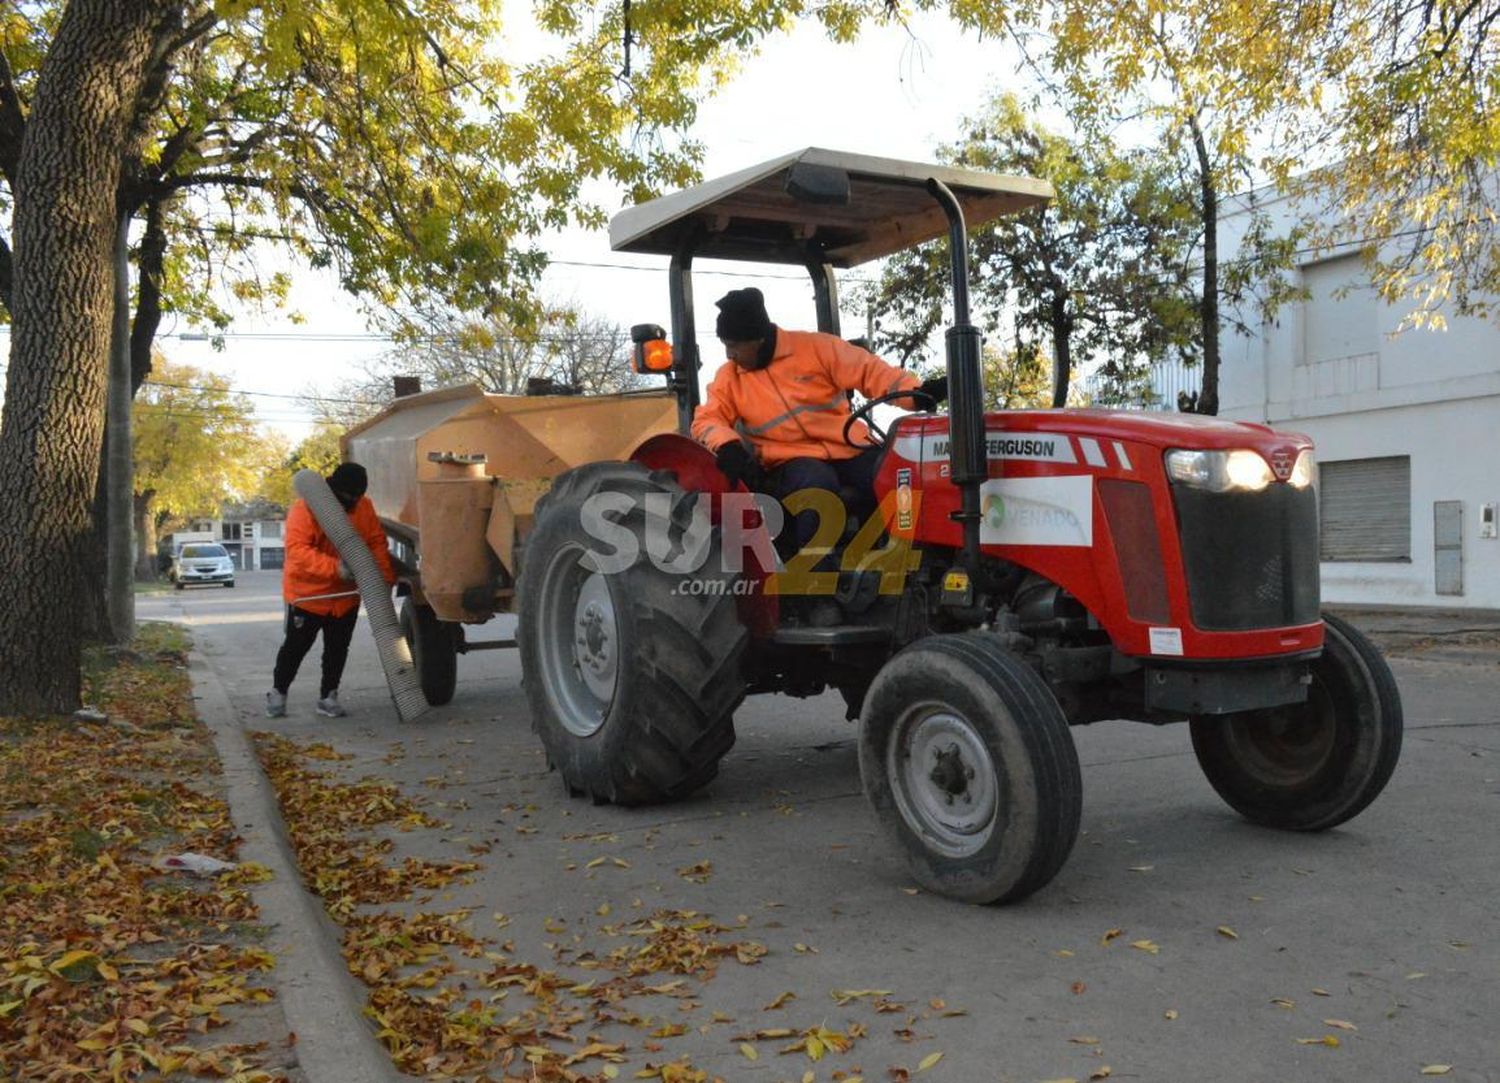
(302, 628)
(856, 474)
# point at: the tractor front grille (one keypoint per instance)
(1251, 558)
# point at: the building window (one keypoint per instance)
(1343, 317)
(270, 529)
(232, 531)
(1364, 509)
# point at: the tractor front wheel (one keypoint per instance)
(968, 762)
(633, 680)
(1310, 766)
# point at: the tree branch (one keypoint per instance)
(12, 123)
(150, 261)
(7, 274)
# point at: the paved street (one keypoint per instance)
(1383, 934)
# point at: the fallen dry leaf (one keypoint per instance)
(816, 1042)
(1148, 946)
(1109, 935)
(1170, 1013)
(1327, 1039)
(749, 1051)
(1437, 1069)
(779, 1001)
(1227, 932)
(1340, 1024)
(928, 1061)
(1104, 1071)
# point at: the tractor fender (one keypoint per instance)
(695, 469)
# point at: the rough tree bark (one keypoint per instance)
(64, 226)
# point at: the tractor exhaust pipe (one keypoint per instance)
(969, 458)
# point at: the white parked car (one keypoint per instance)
(201, 562)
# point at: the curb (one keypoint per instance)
(335, 1042)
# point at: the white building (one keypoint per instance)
(1407, 427)
(253, 534)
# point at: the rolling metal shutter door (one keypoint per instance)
(1365, 509)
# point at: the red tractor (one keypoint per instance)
(1027, 570)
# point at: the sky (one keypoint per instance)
(894, 93)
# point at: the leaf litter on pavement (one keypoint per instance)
(498, 1016)
(113, 966)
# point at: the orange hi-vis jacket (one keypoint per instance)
(796, 406)
(312, 563)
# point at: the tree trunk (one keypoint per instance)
(50, 439)
(151, 262)
(120, 481)
(145, 533)
(1208, 395)
(93, 610)
(1062, 344)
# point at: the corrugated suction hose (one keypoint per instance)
(395, 653)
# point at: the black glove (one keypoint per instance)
(936, 387)
(737, 464)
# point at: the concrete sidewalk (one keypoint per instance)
(1459, 635)
(1382, 934)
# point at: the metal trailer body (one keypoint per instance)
(456, 472)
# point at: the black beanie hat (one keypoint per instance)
(349, 479)
(742, 316)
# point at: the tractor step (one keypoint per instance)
(841, 635)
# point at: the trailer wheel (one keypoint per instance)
(1313, 765)
(632, 681)
(433, 651)
(967, 759)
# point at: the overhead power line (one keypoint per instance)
(261, 394)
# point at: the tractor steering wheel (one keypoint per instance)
(877, 434)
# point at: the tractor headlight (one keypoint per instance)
(1304, 471)
(1219, 471)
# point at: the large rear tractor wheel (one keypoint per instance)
(434, 651)
(1313, 765)
(967, 759)
(632, 671)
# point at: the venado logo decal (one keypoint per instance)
(1037, 511)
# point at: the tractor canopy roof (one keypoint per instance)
(817, 205)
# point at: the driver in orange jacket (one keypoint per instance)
(775, 416)
(313, 568)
